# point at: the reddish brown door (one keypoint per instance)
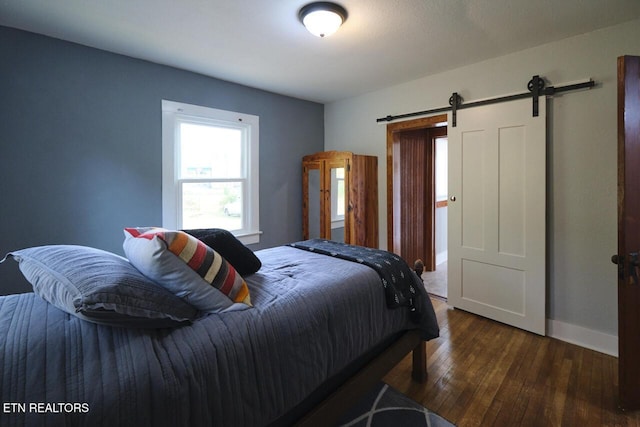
(415, 208)
(411, 188)
(628, 232)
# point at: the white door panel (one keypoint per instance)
(497, 228)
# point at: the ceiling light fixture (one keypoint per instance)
(322, 18)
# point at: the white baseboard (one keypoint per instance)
(588, 338)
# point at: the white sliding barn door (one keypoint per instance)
(497, 203)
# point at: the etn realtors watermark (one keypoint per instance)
(45, 408)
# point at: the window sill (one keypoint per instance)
(249, 238)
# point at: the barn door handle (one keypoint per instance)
(634, 266)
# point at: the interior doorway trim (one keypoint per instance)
(392, 128)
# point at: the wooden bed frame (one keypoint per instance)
(329, 410)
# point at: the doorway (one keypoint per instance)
(436, 281)
(417, 196)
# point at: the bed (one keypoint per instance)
(316, 321)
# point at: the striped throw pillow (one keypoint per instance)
(208, 264)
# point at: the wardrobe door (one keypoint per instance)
(312, 197)
(362, 201)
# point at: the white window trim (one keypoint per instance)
(171, 113)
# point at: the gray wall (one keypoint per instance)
(582, 164)
(80, 145)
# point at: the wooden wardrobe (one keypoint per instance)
(340, 197)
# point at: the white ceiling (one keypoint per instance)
(261, 43)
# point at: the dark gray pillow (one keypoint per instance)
(100, 287)
(233, 250)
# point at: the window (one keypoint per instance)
(210, 170)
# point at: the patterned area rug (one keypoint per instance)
(385, 406)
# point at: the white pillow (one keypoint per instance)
(187, 267)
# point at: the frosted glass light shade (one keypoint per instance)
(322, 18)
(322, 23)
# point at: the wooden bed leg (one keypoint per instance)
(419, 372)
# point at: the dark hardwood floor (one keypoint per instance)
(484, 373)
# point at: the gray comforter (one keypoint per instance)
(312, 316)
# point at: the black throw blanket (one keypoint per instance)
(398, 280)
